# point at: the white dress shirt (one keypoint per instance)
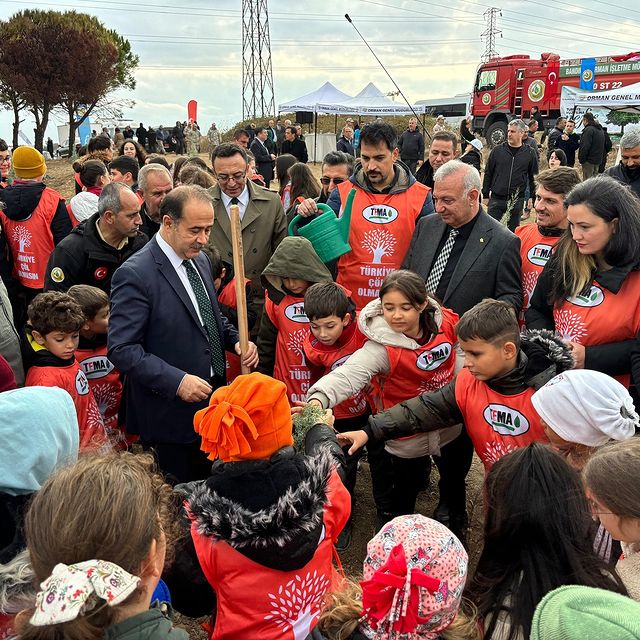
(176, 262)
(243, 201)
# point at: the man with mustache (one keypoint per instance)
(628, 171)
(387, 204)
(166, 334)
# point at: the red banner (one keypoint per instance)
(551, 86)
(629, 57)
(192, 110)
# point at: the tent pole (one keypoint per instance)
(315, 139)
(335, 125)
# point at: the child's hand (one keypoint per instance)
(298, 407)
(329, 418)
(357, 440)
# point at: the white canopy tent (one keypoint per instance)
(370, 101)
(327, 93)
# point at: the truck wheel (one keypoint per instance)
(496, 133)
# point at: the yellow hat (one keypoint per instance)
(28, 163)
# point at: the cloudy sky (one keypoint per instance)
(192, 49)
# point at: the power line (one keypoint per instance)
(490, 33)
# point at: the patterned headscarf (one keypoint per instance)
(414, 575)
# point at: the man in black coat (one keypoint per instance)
(569, 142)
(483, 262)
(93, 251)
(345, 141)
(141, 134)
(628, 171)
(592, 146)
(265, 160)
(293, 145)
(411, 146)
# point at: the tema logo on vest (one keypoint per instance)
(539, 254)
(296, 312)
(432, 359)
(505, 420)
(380, 214)
(340, 361)
(592, 298)
(96, 367)
(82, 384)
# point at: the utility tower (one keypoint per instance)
(257, 74)
(490, 33)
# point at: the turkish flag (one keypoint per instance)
(551, 86)
(629, 57)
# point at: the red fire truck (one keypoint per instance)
(507, 88)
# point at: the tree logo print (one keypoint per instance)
(495, 450)
(22, 236)
(297, 604)
(569, 326)
(296, 344)
(380, 243)
(436, 381)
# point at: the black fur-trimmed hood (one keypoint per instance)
(543, 355)
(547, 356)
(270, 511)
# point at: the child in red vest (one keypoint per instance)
(293, 268)
(265, 522)
(53, 333)
(411, 348)
(104, 379)
(333, 337)
(225, 283)
(491, 395)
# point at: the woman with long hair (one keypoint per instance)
(558, 158)
(538, 536)
(133, 149)
(589, 290)
(466, 134)
(283, 163)
(303, 185)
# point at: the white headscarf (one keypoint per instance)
(586, 407)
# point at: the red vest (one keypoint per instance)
(74, 221)
(379, 236)
(289, 318)
(497, 424)
(253, 601)
(73, 380)
(535, 250)
(105, 383)
(601, 317)
(333, 356)
(227, 296)
(31, 240)
(425, 369)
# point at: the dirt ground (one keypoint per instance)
(60, 177)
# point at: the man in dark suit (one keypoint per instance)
(265, 160)
(166, 334)
(464, 255)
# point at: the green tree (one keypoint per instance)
(11, 100)
(621, 118)
(107, 67)
(62, 60)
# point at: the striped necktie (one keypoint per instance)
(441, 262)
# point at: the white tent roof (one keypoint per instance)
(622, 99)
(370, 101)
(326, 94)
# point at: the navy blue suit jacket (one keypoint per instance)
(155, 337)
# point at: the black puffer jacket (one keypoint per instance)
(542, 356)
(592, 147)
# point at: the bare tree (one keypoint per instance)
(23, 237)
(380, 242)
(12, 100)
(297, 604)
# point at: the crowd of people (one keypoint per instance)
(158, 460)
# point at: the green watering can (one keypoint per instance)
(328, 234)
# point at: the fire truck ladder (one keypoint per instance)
(517, 105)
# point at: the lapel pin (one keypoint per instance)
(481, 239)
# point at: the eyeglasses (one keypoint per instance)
(236, 177)
(596, 509)
(4, 159)
(326, 180)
